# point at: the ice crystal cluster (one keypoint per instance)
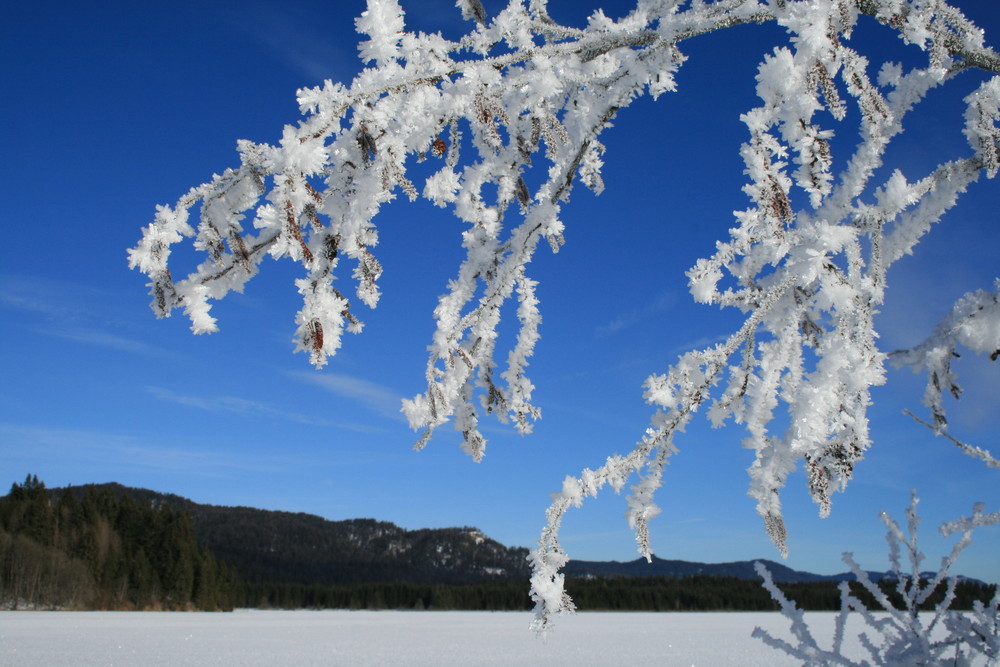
(522, 99)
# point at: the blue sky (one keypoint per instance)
(112, 108)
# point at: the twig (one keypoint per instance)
(974, 452)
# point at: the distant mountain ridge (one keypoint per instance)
(679, 569)
(299, 548)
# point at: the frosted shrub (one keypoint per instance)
(509, 116)
(902, 635)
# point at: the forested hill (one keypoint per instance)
(298, 548)
(273, 546)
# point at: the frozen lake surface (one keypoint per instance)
(252, 637)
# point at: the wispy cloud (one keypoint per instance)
(294, 37)
(683, 522)
(324, 50)
(633, 317)
(44, 296)
(105, 452)
(234, 405)
(377, 398)
(104, 339)
(69, 311)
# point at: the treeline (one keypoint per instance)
(486, 596)
(714, 593)
(694, 593)
(102, 551)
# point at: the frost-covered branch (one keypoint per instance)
(973, 323)
(517, 95)
(970, 450)
(653, 453)
(507, 119)
(950, 32)
(814, 349)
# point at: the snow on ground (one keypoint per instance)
(253, 637)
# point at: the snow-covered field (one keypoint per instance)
(250, 637)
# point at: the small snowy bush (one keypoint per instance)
(902, 635)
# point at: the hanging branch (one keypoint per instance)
(520, 99)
